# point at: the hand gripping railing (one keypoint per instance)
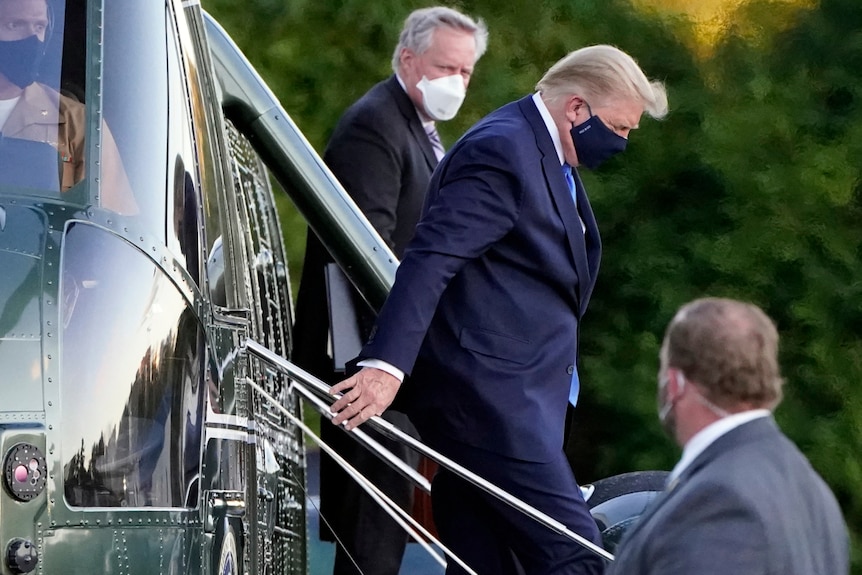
(401, 517)
(304, 379)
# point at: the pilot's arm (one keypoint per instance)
(116, 192)
(114, 188)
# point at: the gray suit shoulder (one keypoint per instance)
(752, 490)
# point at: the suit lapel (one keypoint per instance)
(651, 509)
(592, 239)
(749, 431)
(414, 123)
(561, 197)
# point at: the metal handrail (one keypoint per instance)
(404, 519)
(321, 389)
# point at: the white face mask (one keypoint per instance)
(665, 406)
(442, 97)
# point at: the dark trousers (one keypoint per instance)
(368, 541)
(496, 539)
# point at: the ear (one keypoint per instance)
(575, 106)
(406, 57)
(578, 102)
(675, 382)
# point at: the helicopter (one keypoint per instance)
(149, 413)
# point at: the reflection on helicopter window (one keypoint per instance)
(42, 114)
(216, 273)
(132, 378)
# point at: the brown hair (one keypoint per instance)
(729, 348)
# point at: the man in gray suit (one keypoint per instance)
(742, 499)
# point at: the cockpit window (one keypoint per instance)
(42, 130)
(83, 113)
(135, 105)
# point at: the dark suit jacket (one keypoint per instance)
(487, 300)
(380, 153)
(749, 504)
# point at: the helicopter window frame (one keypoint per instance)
(184, 230)
(139, 444)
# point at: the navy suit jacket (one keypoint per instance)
(487, 300)
(750, 503)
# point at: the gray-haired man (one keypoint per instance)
(383, 150)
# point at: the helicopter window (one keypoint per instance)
(132, 374)
(48, 139)
(134, 85)
(41, 143)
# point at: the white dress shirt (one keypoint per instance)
(6, 107)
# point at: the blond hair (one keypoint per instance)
(602, 74)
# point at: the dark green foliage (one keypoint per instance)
(750, 188)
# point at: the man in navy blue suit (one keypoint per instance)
(486, 306)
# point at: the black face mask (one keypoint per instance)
(19, 60)
(595, 142)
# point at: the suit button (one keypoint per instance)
(570, 370)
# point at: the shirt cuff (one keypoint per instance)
(383, 366)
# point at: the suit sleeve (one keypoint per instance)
(365, 156)
(715, 531)
(474, 200)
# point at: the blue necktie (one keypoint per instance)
(570, 180)
(576, 384)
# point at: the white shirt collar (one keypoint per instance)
(401, 82)
(709, 434)
(550, 125)
(6, 107)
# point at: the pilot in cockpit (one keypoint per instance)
(32, 111)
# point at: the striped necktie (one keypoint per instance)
(439, 150)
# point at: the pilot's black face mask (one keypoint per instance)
(19, 60)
